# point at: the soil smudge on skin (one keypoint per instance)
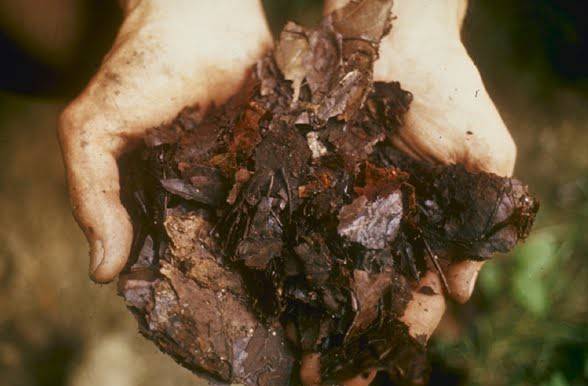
(289, 205)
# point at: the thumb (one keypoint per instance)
(310, 369)
(92, 173)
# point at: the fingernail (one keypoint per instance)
(96, 256)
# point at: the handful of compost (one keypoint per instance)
(288, 212)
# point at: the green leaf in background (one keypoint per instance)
(530, 293)
(537, 254)
(490, 279)
(556, 379)
(533, 261)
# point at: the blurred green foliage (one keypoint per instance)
(527, 323)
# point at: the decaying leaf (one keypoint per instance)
(198, 311)
(372, 224)
(289, 206)
(291, 52)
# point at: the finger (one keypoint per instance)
(462, 277)
(92, 174)
(310, 370)
(361, 380)
(422, 316)
(144, 81)
(424, 311)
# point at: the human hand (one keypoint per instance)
(451, 120)
(168, 54)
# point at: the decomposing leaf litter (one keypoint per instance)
(285, 221)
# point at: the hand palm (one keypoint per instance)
(170, 56)
(451, 120)
(162, 60)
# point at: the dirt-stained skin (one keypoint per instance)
(173, 53)
(167, 55)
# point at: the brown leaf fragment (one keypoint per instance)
(268, 75)
(345, 99)
(363, 19)
(372, 224)
(387, 104)
(368, 290)
(488, 217)
(197, 145)
(258, 253)
(289, 204)
(208, 190)
(241, 177)
(283, 147)
(202, 316)
(291, 52)
(353, 143)
(137, 287)
(323, 62)
(266, 360)
(262, 242)
(379, 182)
(186, 120)
(146, 257)
(316, 259)
(387, 346)
(321, 179)
(246, 134)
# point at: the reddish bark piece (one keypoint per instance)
(199, 312)
(289, 205)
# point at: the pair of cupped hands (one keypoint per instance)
(174, 53)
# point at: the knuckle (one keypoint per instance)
(73, 123)
(509, 155)
(496, 153)
(502, 156)
(79, 125)
(67, 123)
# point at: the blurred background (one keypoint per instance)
(527, 322)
